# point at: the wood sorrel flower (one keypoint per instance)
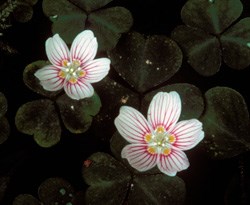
(160, 140)
(74, 69)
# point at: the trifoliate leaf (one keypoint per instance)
(108, 180)
(108, 25)
(70, 17)
(26, 199)
(76, 22)
(213, 16)
(202, 49)
(59, 8)
(207, 35)
(90, 5)
(226, 123)
(56, 191)
(32, 82)
(191, 99)
(39, 118)
(235, 44)
(77, 115)
(145, 62)
(157, 189)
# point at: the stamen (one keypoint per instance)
(81, 73)
(148, 137)
(73, 80)
(160, 129)
(151, 150)
(166, 151)
(65, 63)
(61, 74)
(76, 63)
(171, 139)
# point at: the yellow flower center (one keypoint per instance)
(72, 71)
(159, 141)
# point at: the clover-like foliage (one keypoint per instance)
(211, 35)
(45, 126)
(71, 17)
(112, 183)
(104, 174)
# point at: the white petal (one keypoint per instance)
(49, 78)
(56, 50)
(84, 47)
(188, 134)
(164, 109)
(79, 90)
(174, 162)
(132, 125)
(138, 157)
(96, 69)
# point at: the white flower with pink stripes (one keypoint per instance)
(74, 69)
(160, 140)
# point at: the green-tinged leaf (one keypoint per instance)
(108, 25)
(4, 129)
(191, 99)
(59, 8)
(213, 16)
(68, 26)
(236, 45)
(113, 95)
(226, 123)
(108, 180)
(56, 191)
(117, 143)
(90, 5)
(39, 118)
(32, 82)
(145, 62)
(26, 199)
(77, 115)
(157, 189)
(70, 17)
(4, 181)
(3, 105)
(202, 50)
(23, 12)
